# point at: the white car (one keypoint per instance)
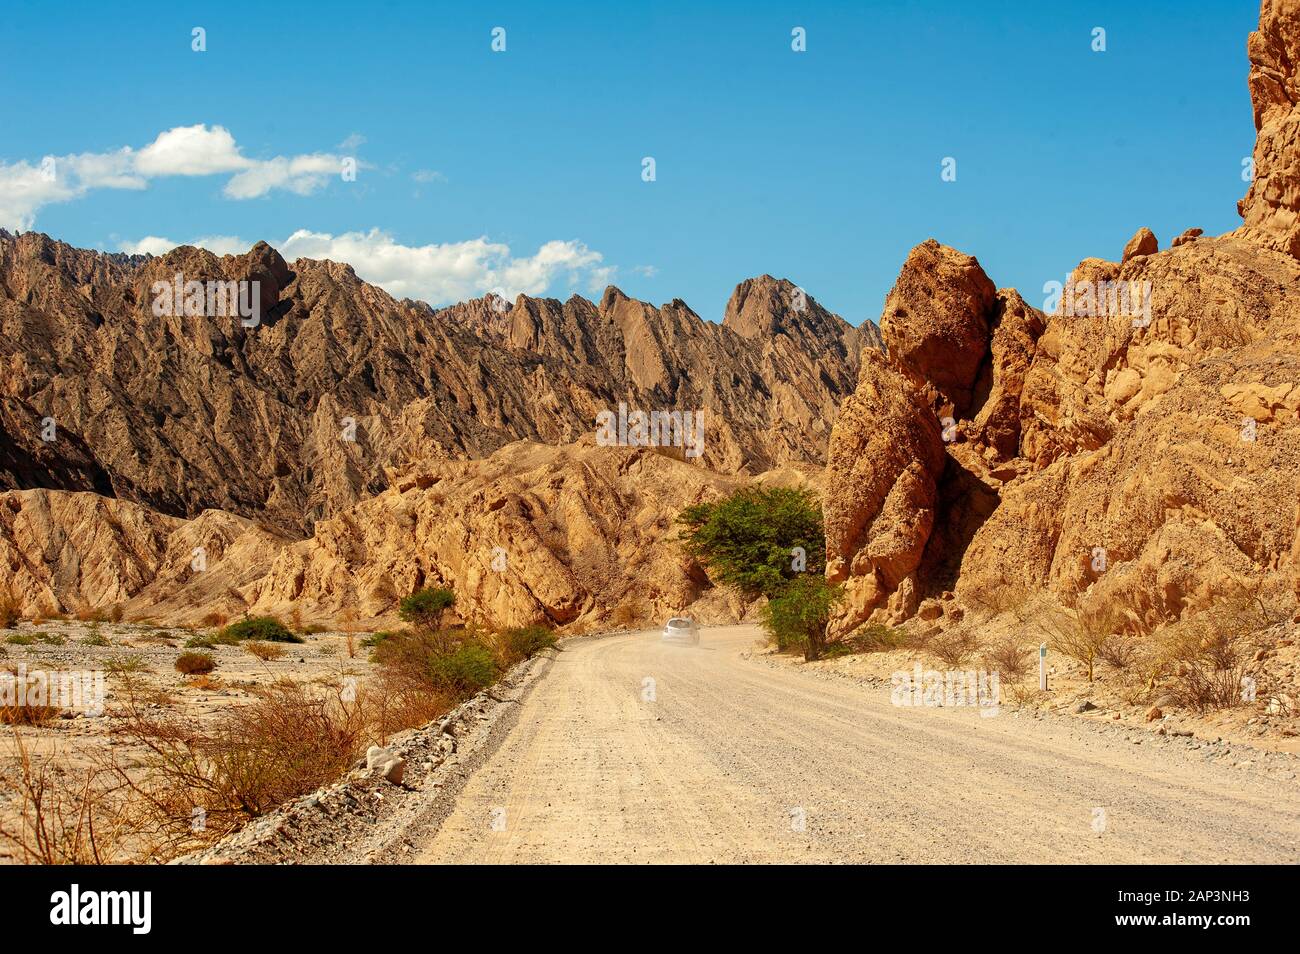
(682, 630)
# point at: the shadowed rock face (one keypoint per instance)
(184, 414)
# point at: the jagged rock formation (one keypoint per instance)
(198, 434)
(881, 487)
(184, 414)
(532, 533)
(1141, 444)
(76, 550)
(1271, 208)
(936, 324)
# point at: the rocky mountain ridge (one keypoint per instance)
(304, 414)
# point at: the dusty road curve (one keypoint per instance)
(731, 759)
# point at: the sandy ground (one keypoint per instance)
(146, 657)
(730, 756)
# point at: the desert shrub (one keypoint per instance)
(953, 647)
(374, 639)
(407, 651)
(426, 608)
(52, 639)
(1211, 655)
(467, 669)
(195, 664)
(877, 637)
(115, 613)
(747, 540)
(996, 598)
(312, 630)
(1009, 658)
(60, 816)
(200, 641)
(525, 642)
(264, 651)
(92, 614)
(265, 628)
(10, 608)
(1119, 651)
(291, 740)
(214, 619)
(394, 701)
(26, 714)
(96, 639)
(1081, 632)
(125, 665)
(796, 618)
(21, 639)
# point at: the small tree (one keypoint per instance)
(758, 539)
(424, 610)
(796, 618)
(1082, 633)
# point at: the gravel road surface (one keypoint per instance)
(633, 750)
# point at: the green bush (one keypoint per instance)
(796, 618)
(527, 641)
(425, 608)
(95, 639)
(20, 639)
(265, 628)
(748, 540)
(374, 639)
(468, 669)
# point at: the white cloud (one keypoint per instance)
(25, 187)
(646, 271)
(216, 244)
(428, 175)
(302, 175)
(448, 272)
(438, 273)
(191, 151)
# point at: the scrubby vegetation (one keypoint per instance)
(195, 664)
(292, 738)
(471, 666)
(264, 628)
(263, 651)
(528, 641)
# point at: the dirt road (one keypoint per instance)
(631, 750)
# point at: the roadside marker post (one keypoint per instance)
(1042, 667)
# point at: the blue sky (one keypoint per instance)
(821, 166)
